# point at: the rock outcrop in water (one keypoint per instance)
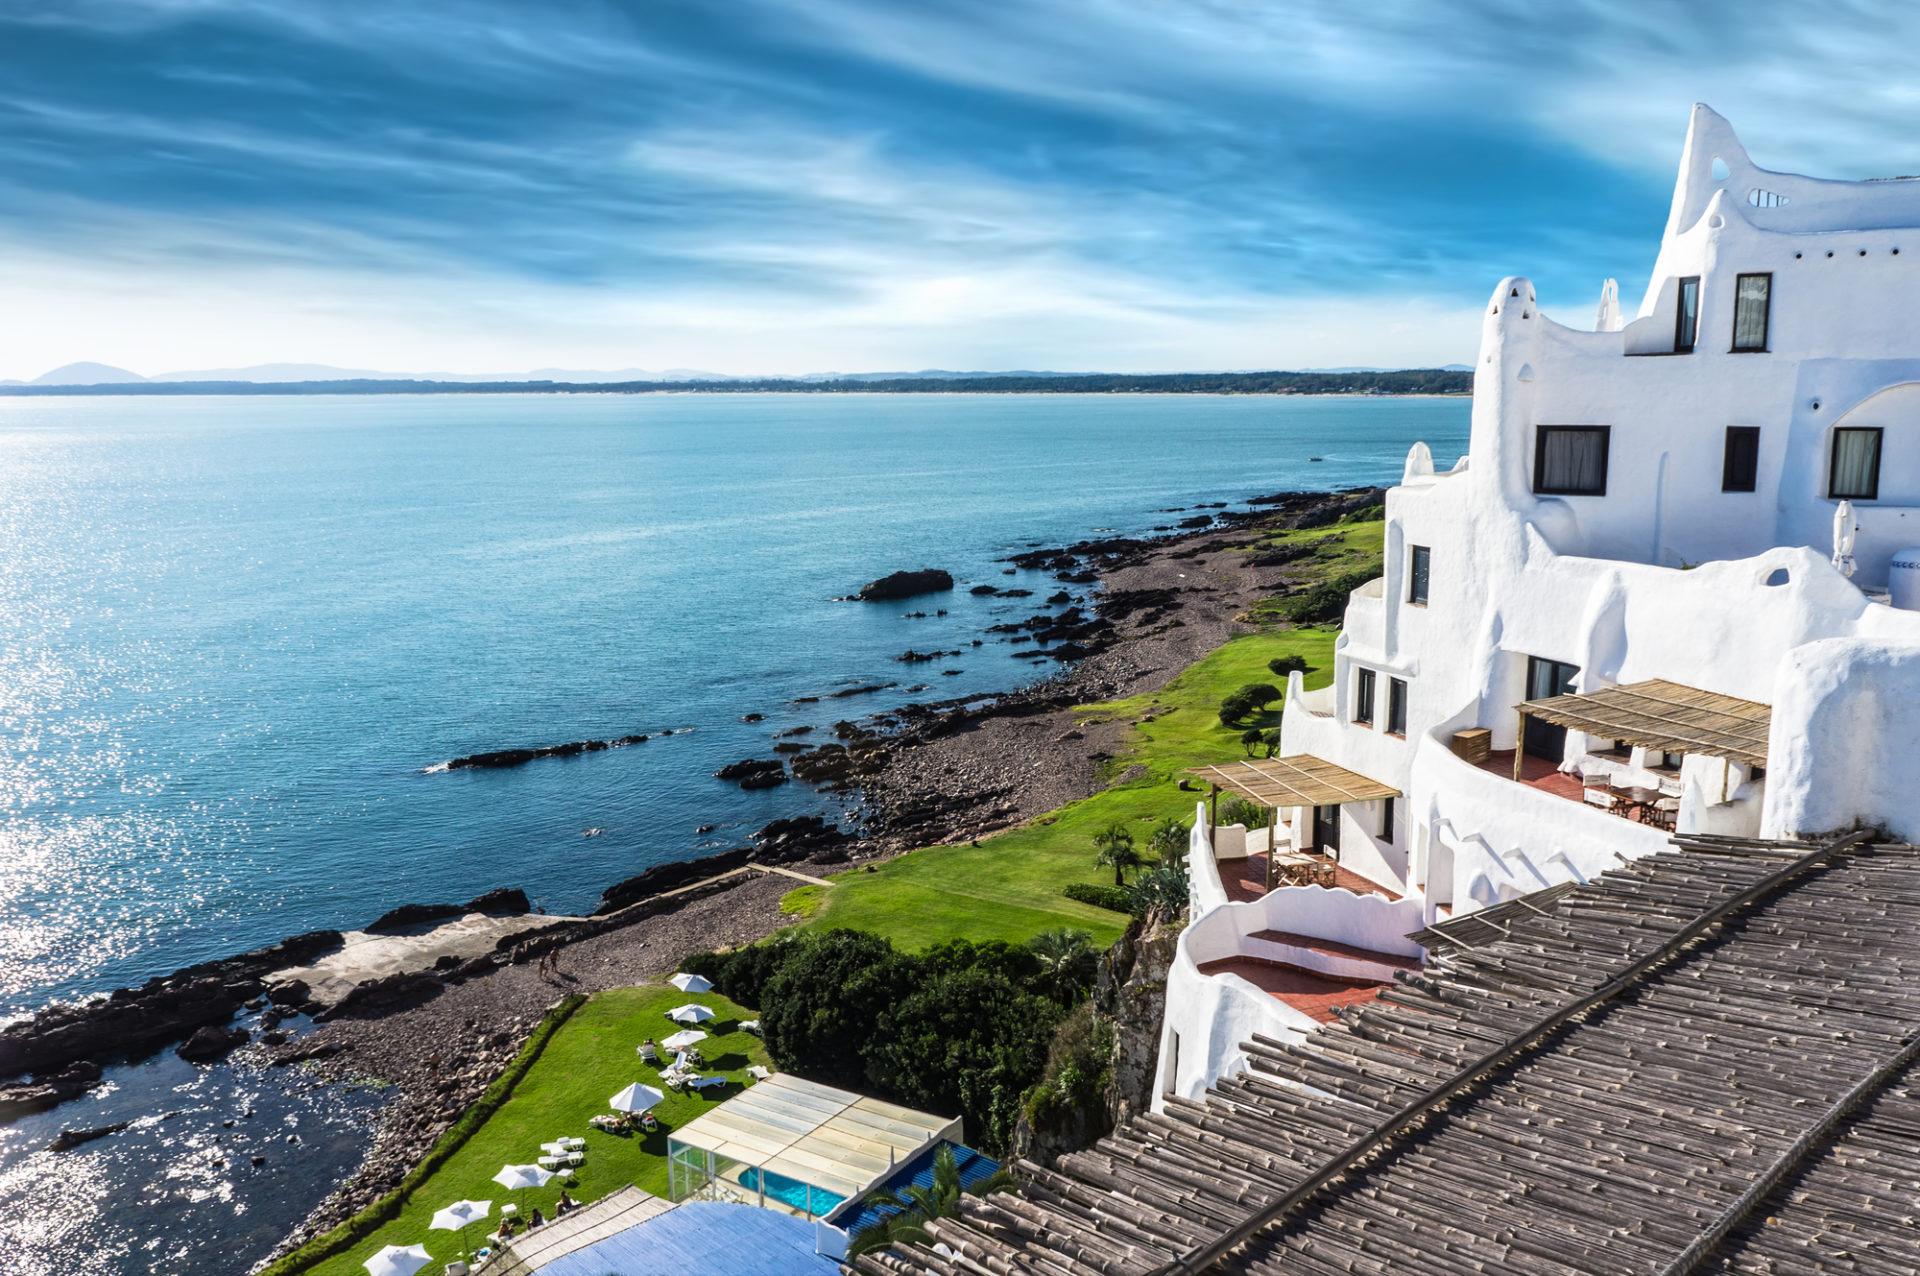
(134, 1020)
(520, 757)
(928, 580)
(754, 773)
(503, 902)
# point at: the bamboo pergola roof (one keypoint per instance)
(1664, 715)
(1705, 1060)
(1301, 780)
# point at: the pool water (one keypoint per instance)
(792, 1192)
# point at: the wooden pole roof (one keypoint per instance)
(1301, 780)
(1706, 1059)
(1657, 714)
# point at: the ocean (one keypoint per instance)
(238, 635)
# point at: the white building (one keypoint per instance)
(1656, 499)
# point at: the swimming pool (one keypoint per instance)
(791, 1192)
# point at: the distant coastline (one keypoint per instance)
(1416, 381)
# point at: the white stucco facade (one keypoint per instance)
(1652, 499)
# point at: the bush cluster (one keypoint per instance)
(1079, 1066)
(1284, 665)
(1326, 601)
(1247, 700)
(960, 1028)
(1117, 898)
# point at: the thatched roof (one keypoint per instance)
(1665, 715)
(1301, 780)
(1703, 1060)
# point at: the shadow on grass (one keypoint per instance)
(729, 1062)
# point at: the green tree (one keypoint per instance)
(1116, 852)
(1169, 841)
(1250, 739)
(1271, 739)
(820, 1008)
(1284, 665)
(913, 1207)
(1259, 694)
(1068, 961)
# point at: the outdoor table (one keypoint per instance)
(1638, 801)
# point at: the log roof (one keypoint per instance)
(1705, 1058)
(1300, 780)
(1657, 714)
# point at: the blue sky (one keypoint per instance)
(764, 186)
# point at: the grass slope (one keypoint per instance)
(590, 1058)
(1008, 887)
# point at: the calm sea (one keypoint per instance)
(236, 633)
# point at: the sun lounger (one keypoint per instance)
(759, 1073)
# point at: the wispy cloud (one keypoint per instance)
(791, 184)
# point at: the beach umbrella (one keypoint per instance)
(457, 1216)
(684, 1038)
(517, 1177)
(398, 1260)
(692, 1012)
(690, 983)
(635, 1098)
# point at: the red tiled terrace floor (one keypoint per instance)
(1252, 882)
(1536, 773)
(1312, 994)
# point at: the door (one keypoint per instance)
(1326, 831)
(1545, 680)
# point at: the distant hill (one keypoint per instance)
(1403, 381)
(87, 374)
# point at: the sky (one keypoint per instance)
(796, 186)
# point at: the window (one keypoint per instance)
(1326, 831)
(1545, 680)
(1686, 319)
(1396, 707)
(1419, 561)
(1752, 296)
(1386, 821)
(1570, 460)
(1742, 467)
(1855, 474)
(1363, 697)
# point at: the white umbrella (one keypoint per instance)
(460, 1214)
(398, 1260)
(515, 1177)
(691, 983)
(692, 1012)
(635, 1098)
(684, 1038)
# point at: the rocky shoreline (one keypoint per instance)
(925, 773)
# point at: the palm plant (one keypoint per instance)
(1067, 960)
(1116, 852)
(913, 1206)
(1169, 841)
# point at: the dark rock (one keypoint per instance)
(746, 768)
(259, 1160)
(753, 717)
(391, 992)
(411, 915)
(984, 589)
(791, 731)
(50, 1090)
(844, 692)
(705, 828)
(501, 758)
(950, 673)
(500, 902)
(667, 877)
(211, 1042)
(74, 1138)
(1054, 600)
(928, 580)
(274, 1038)
(288, 992)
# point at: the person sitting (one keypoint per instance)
(565, 1205)
(536, 1220)
(649, 1053)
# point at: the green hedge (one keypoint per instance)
(1117, 898)
(363, 1224)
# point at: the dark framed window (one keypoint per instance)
(1386, 821)
(1752, 300)
(1741, 471)
(1545, 680)
(1854, 474)
(1686, 318)
(1418, 563)
(1363, 696)
(1570, 460)
(1396, 706)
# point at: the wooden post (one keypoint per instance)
(1520, 747)
(1273, 848)
(1213, 817)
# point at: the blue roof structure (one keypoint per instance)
(973, 1167)
(703, 1236)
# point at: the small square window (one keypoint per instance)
(1363, 697)
(1855, 472)
(1752, 303)
(1418, 564)
(1570, 460)
(1741, 470)
(1396, 707)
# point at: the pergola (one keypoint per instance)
(1657, 714)
(1300, 780)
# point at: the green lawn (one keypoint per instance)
(1008, 887)
(591, 1057)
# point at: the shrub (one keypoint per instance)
(1067, 962)
(1326, 601)
(1258, 694)
(1079, 1065)
(1241, 811)
(1249, 739)
(1169, 840)
(1162, 890)
(819, 1008)
(1284, 665)
(970, 1041)
(1117, 898)
(1271, 739)
(1233, 709)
